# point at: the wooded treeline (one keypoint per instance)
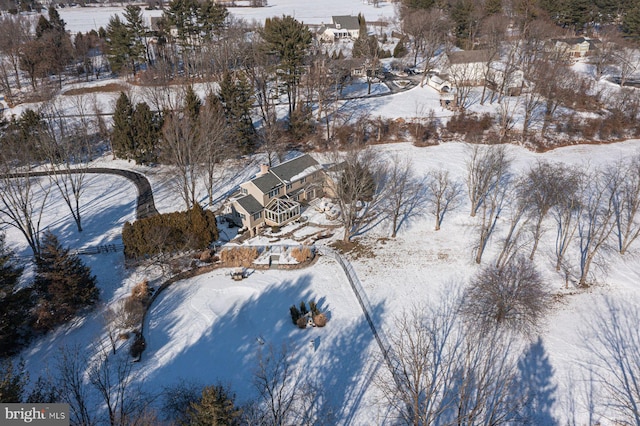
(253, 69)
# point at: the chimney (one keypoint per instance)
(264, 169)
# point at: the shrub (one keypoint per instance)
(206, 256)
(469, 125)
(513, 296)
(134, 311)
(193, 229)
(320, 320)
(138, 345)
(301, 254)
(302, 322)
(313, 307)
(295, 314)
(303, 308)
(239, 256)
(141, 292)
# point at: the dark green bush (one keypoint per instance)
(193, 229)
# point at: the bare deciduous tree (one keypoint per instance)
(486, 166)
(22, 203)
(71, 364)
(595, 221)
(613, 339)
(214, 134)
(357, 181)
(445, 195)
(405, 194)
(68, 150)
(513, 296)
(518, 220)
(485, 379)
(544, 186)
(423, 351)
(276, 381)
(113, 379)
(180, 149)
(626, 203)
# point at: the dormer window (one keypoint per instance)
(274, 192)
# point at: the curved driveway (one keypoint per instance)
(145, 205)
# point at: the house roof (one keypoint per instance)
(346, 22)
(266, 182)
(249, 204)
(295, 168)
(468, 56)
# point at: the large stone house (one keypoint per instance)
(274, 196)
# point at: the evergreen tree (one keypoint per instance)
(419, 4)
(288, 41)
(192, 105)
(235, 95)
(492, 7)
(13, 380)
(56, 48)
(631, 23)
(122, 137)
(63, 282)
(399, 51)
(216, 407)
(56, 21)
(137, 35)
(145, 125)
(15, 303)
(43, 26)
(118, 40)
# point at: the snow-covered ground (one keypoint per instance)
(210, 328)
(82, 19)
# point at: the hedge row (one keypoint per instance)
(193, 229)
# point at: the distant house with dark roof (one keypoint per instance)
(467, 67)
(273, 196)
(341, 27)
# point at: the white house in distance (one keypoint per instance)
(341, 27)
(576, 47)
(467, 67)
(273, 196)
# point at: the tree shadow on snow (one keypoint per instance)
(334, 358)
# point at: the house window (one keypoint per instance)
(257, 216)
(289, 186)
(303, 180)
(296, 197)
(274, 192)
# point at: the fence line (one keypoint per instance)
(364, 303)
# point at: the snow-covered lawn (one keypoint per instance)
(209, 328)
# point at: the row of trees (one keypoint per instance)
(591, 211)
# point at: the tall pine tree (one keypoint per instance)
(145, 126)
(235, 95)
(122, 135)
(64, 284)
(15, 303)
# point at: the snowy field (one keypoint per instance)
(82, 19)
(210, 328)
